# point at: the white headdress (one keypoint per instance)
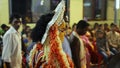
(57, 18)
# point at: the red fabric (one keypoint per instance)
(24, 59)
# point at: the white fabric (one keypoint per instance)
(12, 48)
(57, 18)
(82, 51)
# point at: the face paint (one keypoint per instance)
(62, 29)
(61, 35)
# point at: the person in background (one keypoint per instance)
(106, 28)
(25, 34)
(101, 27)
(94, 56)
(24, 53)
(102, 45)
(77, 45)
(117, 29)
(72, 32)
(4, 28)
(95, 28)
(86, 45)
(113, 39)
(1, 45)
(74, 27)
(12, 52)
(23, 28)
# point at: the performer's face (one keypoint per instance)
(61, 34)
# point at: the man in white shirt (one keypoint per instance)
(11, 54)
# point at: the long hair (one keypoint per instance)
(39, 30)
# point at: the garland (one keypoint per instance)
(57, 58)
(33, 52)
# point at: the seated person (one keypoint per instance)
(102, 45)
(113, 39)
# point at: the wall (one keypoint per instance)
(110, 14)
(76, 11)
(4, 12)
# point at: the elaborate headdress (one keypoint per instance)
(57, 18)
(40, 32)
(55, 57)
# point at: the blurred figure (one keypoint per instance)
(101, 27)
(95, 28)
(30, 42)
(4, 28)
(72, 32)
(1, 44)
(24, 52)
(29, 38)
(26, 29)
(102, 45)
(106, 27)
(23, 28)
(49, 53)
(87, 45)
(114, 62)
(117, 29)
(95, 57)
(113, 39)
(11, 54)
(77, 45)
(26, 35)
(74, 27)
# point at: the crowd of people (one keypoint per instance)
(52, 43)
(81, 45)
